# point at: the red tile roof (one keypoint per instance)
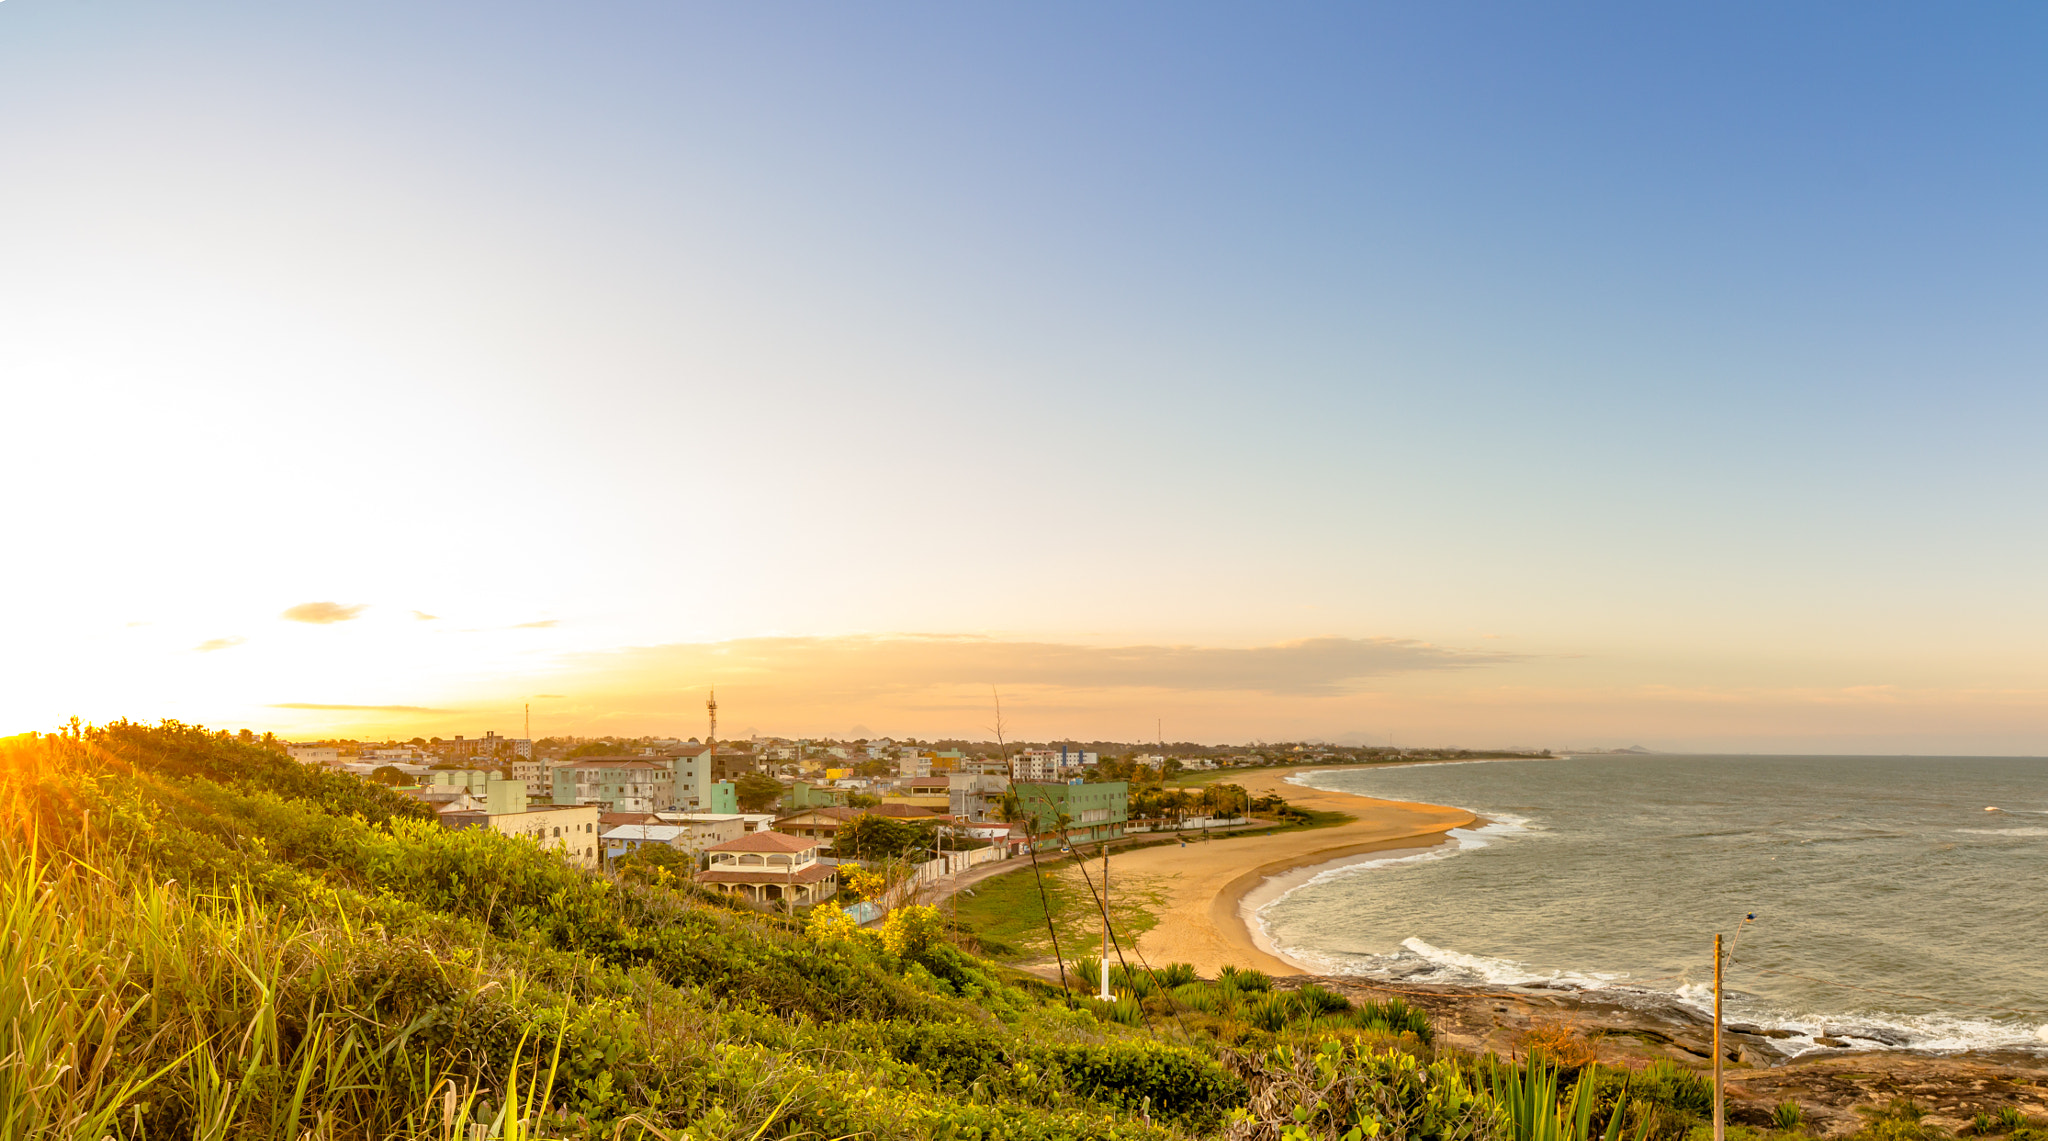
(907, 811)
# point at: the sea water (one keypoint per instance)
(1890, 907)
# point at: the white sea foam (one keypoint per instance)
(1420, 962)
(1581, 812)
(1938, 1033)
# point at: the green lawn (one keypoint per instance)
(1007, 915)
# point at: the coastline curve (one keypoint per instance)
(1203, 921)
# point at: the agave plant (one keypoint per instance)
(1529, 1095)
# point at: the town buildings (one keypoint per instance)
(1052, 764)
(689, 835)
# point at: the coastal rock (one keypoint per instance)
(1772, 1066)
(1875, 1034)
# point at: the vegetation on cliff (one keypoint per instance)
(201, 938)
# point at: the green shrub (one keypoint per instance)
(1393, 1016)
(1788, 1117)
(1244, 978)
(1178, 1083)
(1344, 1090)
(1178, 974)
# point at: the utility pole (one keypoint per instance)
(1105, 995)
(1720, 1117)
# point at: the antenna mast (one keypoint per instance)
(529, 720)
(711, 707)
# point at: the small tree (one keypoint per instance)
(757, 792)
(911, 931)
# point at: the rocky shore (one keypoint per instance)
(1630, 1029)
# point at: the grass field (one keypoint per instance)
(1007, 915)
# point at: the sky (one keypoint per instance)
(1441, 374)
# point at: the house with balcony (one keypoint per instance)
(770, 869)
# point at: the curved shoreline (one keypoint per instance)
(1204, 922)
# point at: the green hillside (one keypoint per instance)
(205, 939)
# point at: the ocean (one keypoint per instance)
(1890, 908)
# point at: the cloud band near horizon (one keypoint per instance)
(848, 666)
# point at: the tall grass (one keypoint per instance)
(142, 1010)
(187, 951)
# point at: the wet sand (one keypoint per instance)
(1211, 884)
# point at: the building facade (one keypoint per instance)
(1092, 811)
(570, 830)
(618, 784)
(976, 798)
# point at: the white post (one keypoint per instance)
(1105, 996)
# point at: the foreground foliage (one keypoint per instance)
(201, 938)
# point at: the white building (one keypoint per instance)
(749, 821)
(1053, 764)
(976, 797)
(314, 754)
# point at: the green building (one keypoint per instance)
(1092, 811)
(498, 794)
(805, 795)
(722, 796)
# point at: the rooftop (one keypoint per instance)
(651, 833)
(765, 842)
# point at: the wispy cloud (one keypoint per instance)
(212, 644)
(851, 665)
(425, 617)
(359, 708)
(540, 625)
(538, 696)
(322, 613)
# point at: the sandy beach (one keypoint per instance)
(1208, 883)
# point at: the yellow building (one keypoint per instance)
(570, 828)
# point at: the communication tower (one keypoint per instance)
(711, 708)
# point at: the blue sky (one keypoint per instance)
(1682, 350)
